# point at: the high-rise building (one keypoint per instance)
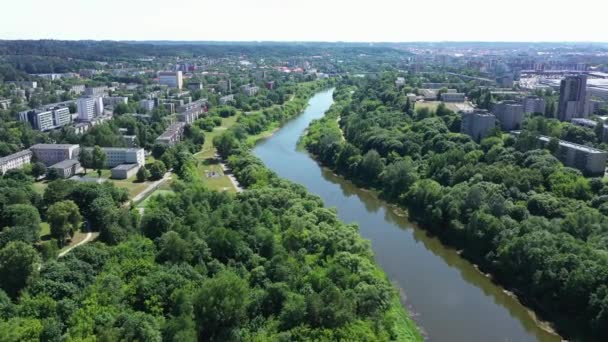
(572, 98)
(172, 79)
(533, 104)
(510, 114)
(477, 124)
(48, 118)
(89, 108)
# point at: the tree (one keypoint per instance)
(99, 159)
(86, 159)
(64, 218)
(22, 222)
(157, 170)
(18, 264)
(38, 169)
(143, 174)
(220, 306)
(371, 167)
(121, 108)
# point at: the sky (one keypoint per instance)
(307, 20)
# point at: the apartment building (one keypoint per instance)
(120, 155)
(510, 114)
(172, 135)
(50, 154)
(89, 107)
(477, 124)
(172, 79)
(590, 161)
(47, 119)
(15, 161)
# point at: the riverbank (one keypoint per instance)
(403, 327)
(329, 123)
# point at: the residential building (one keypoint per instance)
(147, 105)
(226, 99)
(172, 135)
(249, 90)
(77, 89)
(172, 79)
(477, 123)
(5, 103)
(270, 85)
(589, 160)
(510, 114)
(89, 107)
(412, 97)
(584, 122)
(189, 112)
(115, 100)
(15, 161)
(125, 171)
(195, 86)
(25, 84)
(50, 154)
(130, 140)
(572, 98)
(225, 85)
(505, 81)
(533, 104)
(47, 119)
(452, 97)
(400, 82)
(66, 168)
(95, 91)
(428, 94)
(121, 155)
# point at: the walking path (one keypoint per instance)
(151, 187)
(230, 176)
(86, 239)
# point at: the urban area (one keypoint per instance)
(144, 195)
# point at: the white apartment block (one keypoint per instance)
(89, 108)
(147, 105)
(50, 154)
(120, 155)
(172, 79)
(15, 161)
(115, 100)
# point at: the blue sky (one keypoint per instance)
(307, 20)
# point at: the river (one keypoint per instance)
(448, 297)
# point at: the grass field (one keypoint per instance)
(155, 193)
(207, 161)
(431, 105)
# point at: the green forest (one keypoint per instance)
(268, 264)
(538, 227)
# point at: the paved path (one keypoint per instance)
(86, 239)
(151, 188)
(228, 173)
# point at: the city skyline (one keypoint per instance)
(273, 20)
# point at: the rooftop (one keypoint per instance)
(64, 164)
(14, 155)
(52, 146)
(573, 145)
(125, 167)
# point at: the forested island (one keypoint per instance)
(508, 203)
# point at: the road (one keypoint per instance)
(230, 176)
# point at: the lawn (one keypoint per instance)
(208, 163)
(220, 181)
(155, 193)
(431, 105)
(45, 230)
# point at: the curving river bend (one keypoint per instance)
(450, 299)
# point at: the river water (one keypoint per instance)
(449, 299)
